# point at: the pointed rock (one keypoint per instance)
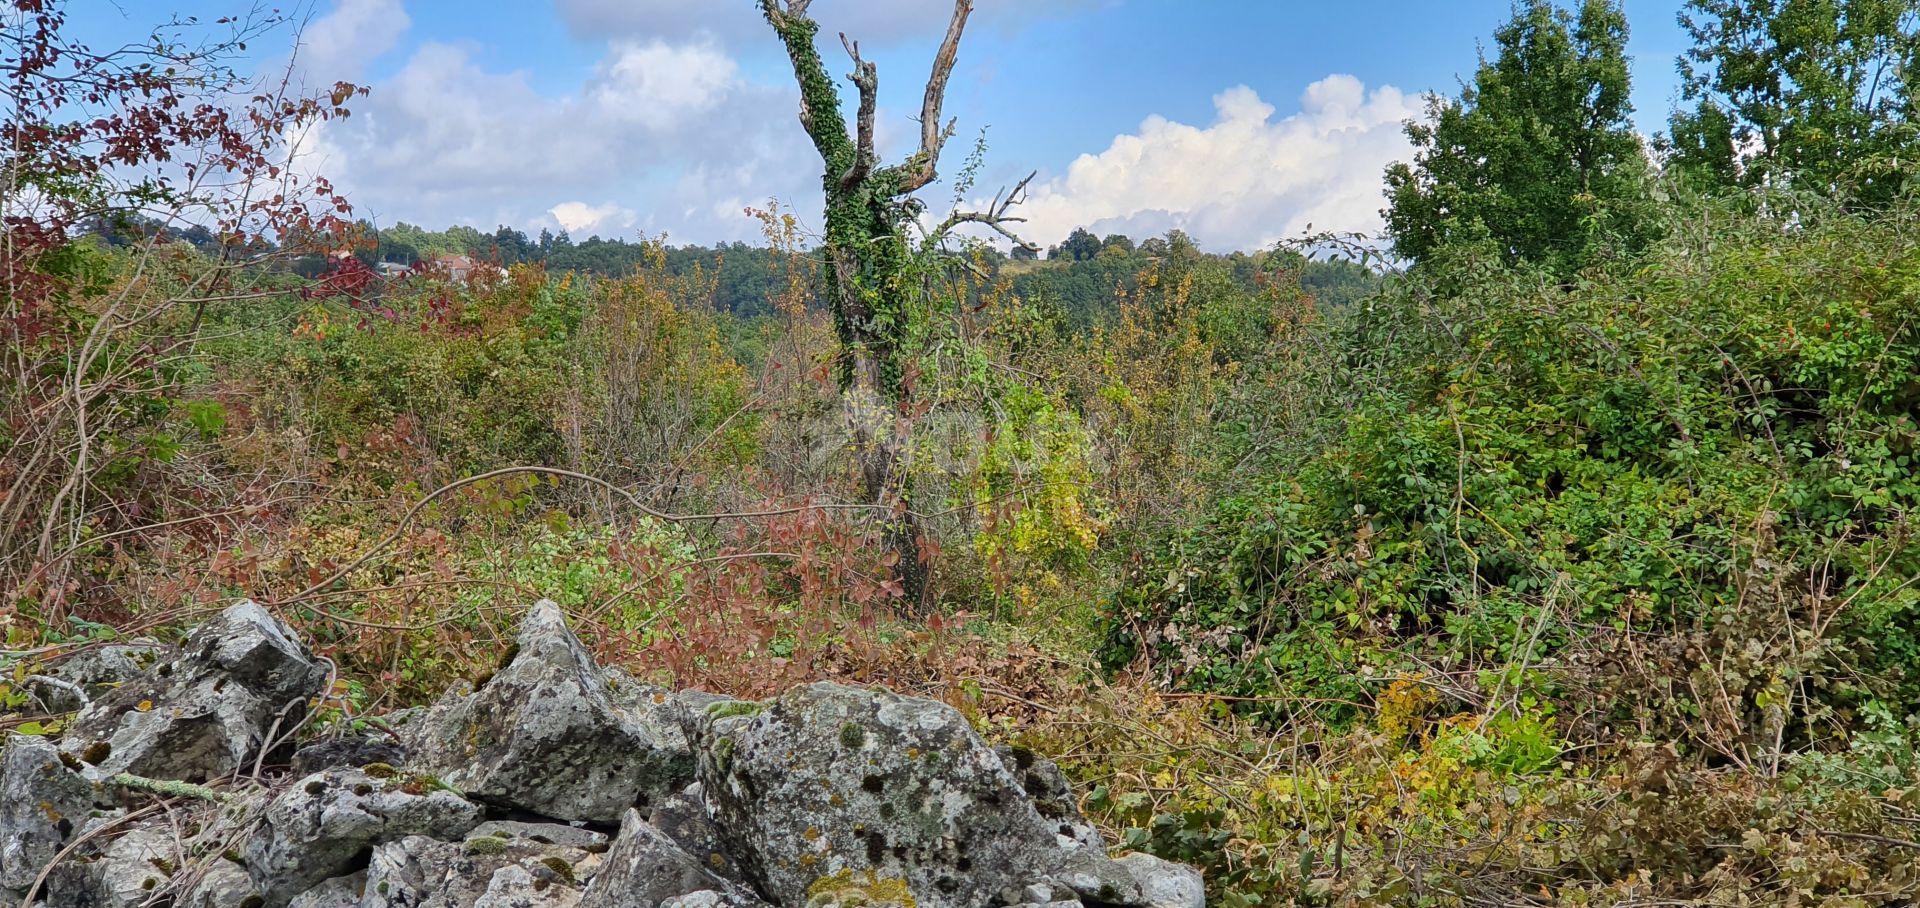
(207, 708)
(553, 734)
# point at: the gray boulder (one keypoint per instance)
(1165, 884)
(1051, 793)
(125, 874)
(316, 828)
(206, 709)
(645, 868)
(338, 892)
(44, 799)
(484, 871)
(553, 734)
(684, 819)
(848, 794)
(74, 681)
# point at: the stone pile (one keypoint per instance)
(555, 783)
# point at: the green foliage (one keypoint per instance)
(1818, 95)
(1537, 159)
(1539, 470)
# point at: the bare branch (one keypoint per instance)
(866, 78)
(932, 136)
(996, 217)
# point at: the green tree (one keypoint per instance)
(1811, 94)
(1537, 156)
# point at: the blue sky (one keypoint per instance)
(1240, 122)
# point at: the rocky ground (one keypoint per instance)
(184, 778)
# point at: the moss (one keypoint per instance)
(316, 786)
(735, 708)
(379, 770)
(507, 656)
(233, 856)
(259, 901)
(70, 761)
(866, 888)
(97, 753)
(560, 868)
(484, 845)
(163, 865)
(723, 754)
(852, 736)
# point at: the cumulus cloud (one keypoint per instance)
(446, 140)
(872, 21)
(584, 219)
(1243, 181)
(338, 46)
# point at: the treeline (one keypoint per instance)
(1078, 279)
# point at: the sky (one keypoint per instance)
(1240, 122)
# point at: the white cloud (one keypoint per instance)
(1244, 181)
(583, 219)
(445, 140)
(659, 85)
(338, 46)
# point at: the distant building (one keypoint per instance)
(460, 267)
(393, 269)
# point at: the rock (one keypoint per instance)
(346, 753)
(90, 673)
(549, 734)
(125, 875)
(586, 840)
(645, 868)
(221, 884)
(684, 819)
(879, 797)
(1051, 793)
(316, 828)
(338, 892)
(206, 709)
(44, 798)
(482, 872)
(1165, 884)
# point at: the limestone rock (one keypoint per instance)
(124, 875)
(832, 787)
(338, 892)
(44, 799)
(90, 673)
(207, 708)
(684, 819)
(1051, 793)
(316, 828)
(645, 868)
(484, 871)
(1165, 884)
(550, 734)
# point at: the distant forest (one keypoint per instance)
(1077, 280)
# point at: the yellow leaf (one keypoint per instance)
(145, 705)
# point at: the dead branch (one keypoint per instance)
(925, 165)
(996, 216)
(866, 78)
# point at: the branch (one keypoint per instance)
(996, 216)
(932, 136)
(866, 78)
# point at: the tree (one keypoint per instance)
(1821, 95)
(1537, 156)
(1080, 246)
(872, 274)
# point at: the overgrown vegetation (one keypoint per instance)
(1567, 561)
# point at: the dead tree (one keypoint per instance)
(869, 272)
